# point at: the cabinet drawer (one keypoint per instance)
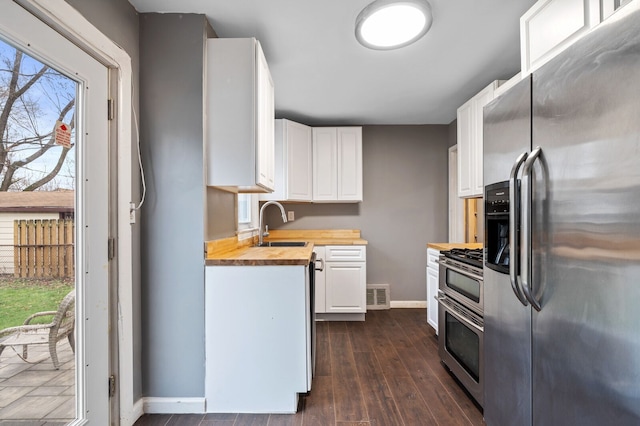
(345, 253)
(432, 258)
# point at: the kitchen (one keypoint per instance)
(169, 259)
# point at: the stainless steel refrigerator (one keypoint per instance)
(562, 342)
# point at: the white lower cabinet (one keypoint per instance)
(257, 338)
(346, 287)
(433, 276)
(341, 288)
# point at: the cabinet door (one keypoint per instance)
(240, 116)
(465, 143)
(346, 287)
(325, 164)
(320, 286)
(299, 168)
(349, 163)
(432, 303)
(470, 143)
(610, 6)
(550, 26)
(265, 116)
(477, 147)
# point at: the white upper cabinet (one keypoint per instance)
(239, 117)
(265, 115)
(337, 164)
(465, 141)
(470, 142)
(550, 26)
(325, 164)
(293, 173)
(610, 6)
(349, 163)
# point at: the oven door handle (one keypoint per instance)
(441, 298)
(514, 221)
(461, 271)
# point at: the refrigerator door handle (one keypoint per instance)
(514, 217)
(526, 227)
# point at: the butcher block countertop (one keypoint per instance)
(449, 246)
(231, 252)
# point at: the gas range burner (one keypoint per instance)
(471, 257)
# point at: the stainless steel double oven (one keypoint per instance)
(460, 318)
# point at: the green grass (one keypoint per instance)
(21, 298)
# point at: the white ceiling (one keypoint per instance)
(323, 76)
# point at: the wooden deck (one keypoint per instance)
(35, 393)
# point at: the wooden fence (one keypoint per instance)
(44, 248)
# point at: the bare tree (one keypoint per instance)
(32, 97)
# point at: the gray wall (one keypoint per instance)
(173, 228)
(118, 20)
(168, 235)
(453, 132)
(221, 214)
(404, 207)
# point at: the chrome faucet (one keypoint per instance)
(284, 219)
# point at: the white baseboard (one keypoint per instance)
(339, 317)
(408, 304)
(158, 405)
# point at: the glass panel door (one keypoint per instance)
(54, 196)
(37, 238)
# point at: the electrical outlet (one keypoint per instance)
(291, 215)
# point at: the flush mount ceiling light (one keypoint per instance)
(390, 24)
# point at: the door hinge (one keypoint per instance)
(112, 386)
(110, 109)
(111, 249)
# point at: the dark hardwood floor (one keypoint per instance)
(384, 371)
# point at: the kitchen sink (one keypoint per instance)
(283, 244)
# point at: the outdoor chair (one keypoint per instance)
(60, 327)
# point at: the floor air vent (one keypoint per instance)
(378, 296)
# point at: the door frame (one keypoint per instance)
(62, 17)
